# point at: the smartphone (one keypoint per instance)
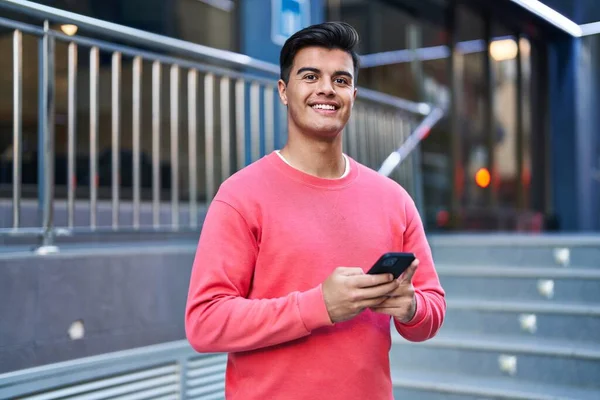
(392, 263)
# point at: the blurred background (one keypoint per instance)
(119, 120)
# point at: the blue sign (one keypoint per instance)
(288, 17)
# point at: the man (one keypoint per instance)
(279, 277)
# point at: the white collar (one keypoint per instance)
(346, 168)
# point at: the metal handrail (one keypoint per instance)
(182, 47)
(138, 36)
(411, 143)
(379, 122)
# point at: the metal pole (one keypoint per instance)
(225, 129)
(136, 130)
(193, 145)
(174, 102)
(116, 136)
(255, 120)
(17, 124)
(156, 125)
(240, 123)
(71, 145)
(209, 133)
(46, 141)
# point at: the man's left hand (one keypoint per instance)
(401, 303)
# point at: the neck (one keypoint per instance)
(322, 159)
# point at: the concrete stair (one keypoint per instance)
(523, 322)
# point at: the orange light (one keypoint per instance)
(483, 178)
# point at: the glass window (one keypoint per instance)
(471, 109)
(525, 49)
(503, 57)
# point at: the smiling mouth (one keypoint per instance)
(324, 107)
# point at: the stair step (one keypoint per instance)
(587, 310)
(517, 250)
(422, 385)
(584, 290)
(531, 359)
(527, 323)
(510, 344)
(513, 240)
(504, 271)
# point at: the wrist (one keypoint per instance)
(411, 312)
(420, 311)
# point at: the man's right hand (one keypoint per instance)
(348, 291)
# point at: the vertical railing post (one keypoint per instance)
(255, 121)
(46, 141)
(226, 159)
(116, 137)
(209, 135)
(269, 118)
(240, 123)
(174, 115)
(136, 130)
(94, 126)
(193, 145)
(72, 134)
(17, 124)
(156, 127)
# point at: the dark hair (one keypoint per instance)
(331, 35)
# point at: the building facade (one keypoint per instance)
(518, 148)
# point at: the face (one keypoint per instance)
(320, 92)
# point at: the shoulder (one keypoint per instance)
(391, 196)
(246, 184)
(383, 185)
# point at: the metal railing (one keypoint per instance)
(171, 370)
(222, 115)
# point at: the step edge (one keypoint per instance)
(496, 271)
(514, 239)
(489, 387)
(517, 345)
(524, 307)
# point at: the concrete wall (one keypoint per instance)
(126, 296)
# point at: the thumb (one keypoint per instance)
(410, 271)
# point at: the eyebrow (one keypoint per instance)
(318, 71)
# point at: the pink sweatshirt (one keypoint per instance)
(272, 235)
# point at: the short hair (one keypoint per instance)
(330, 35)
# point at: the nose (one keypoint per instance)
(325, 88)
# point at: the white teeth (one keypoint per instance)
(324, 106)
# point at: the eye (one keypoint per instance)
(341, 81)
(310, 77)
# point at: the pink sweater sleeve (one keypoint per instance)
(430, 297)
(219, 317)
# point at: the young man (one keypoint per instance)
(279, 277)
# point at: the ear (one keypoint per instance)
(282, 89)
(354, 96)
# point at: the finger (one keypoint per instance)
(368, 280)
(378, 291)
(373, 303)
(350, 271)
(410, 271)
(385, 310)
(394, 302)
